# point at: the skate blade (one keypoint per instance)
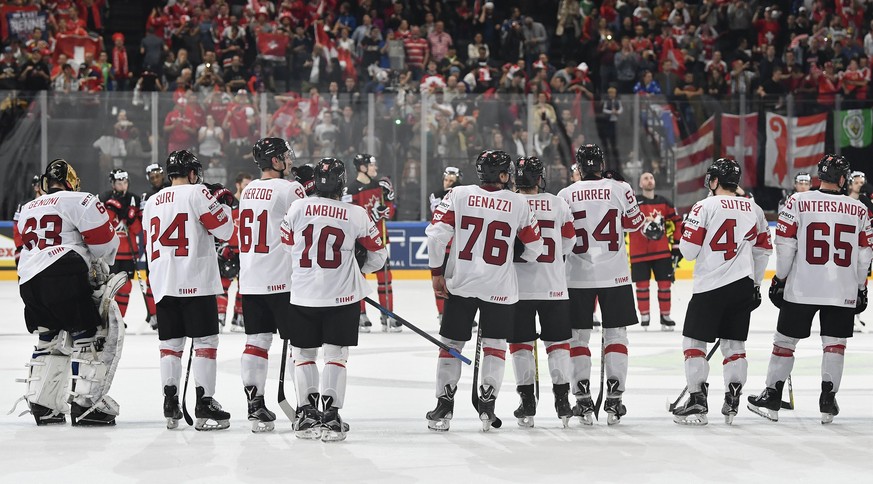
(667, 329)
(440, 425)
(565, 422)
(729, 418)
(526, 422)
(612, 418)
(92, 423)
(826, 418)
(363, 329)
(237, 329)
(587, 419)
(691, 420)
(260, 427)
(208, 424)
(308, 434)
(395, 329)
(771, 415)
(328, 435)
(486, 422)
(172, 423)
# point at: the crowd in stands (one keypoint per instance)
(475, 63)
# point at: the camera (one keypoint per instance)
(609, 37)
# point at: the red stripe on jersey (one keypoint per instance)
(784, 352)
(863, 240)
(694, 236)
(632, 223)
(838, 349)
(211, 221)
(529, 234)
(494, 352)
(616, 348)
(255, 351)
(558, 346)
(304, 363)
(694, 353)
(446, 218)
(763, 241)
(513, 347)
(209, 353)
(287, 237)
(579, 351)
(165, 352)
(733, 358)
(373, 244)
(786, 229)
(568, 231)
(99, 235)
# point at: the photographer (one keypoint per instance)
(208, 79)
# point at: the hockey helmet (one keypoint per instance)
(330, 177)
(528, 172)
(182, 162)
(363, 159)
(60, 171)
(305, 175)
(654, 229)
(831, 167)
(726, 170)
(268, 148)
(802, 177)
(589, 159)
(118, 175)
(491, 163)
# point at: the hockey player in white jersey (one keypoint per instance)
(543, 291)
(728, 237)
(822, 255)
(482, 222)
(63, 233)
(181, 223)
(331, 243)
(597, 270)
(265, 271)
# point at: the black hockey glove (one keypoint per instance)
(220, 193)
(360, 254)
(861, 302)
(756, 301)
(777, 291)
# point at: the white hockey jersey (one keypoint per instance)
(546, 277)
(60, 222)
(180, 222)
(321, 234)
(602, 211)
(823, 248)
(729, 239)
(264, 264)
(484, 224)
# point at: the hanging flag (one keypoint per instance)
(693, 156)
(855, 127)
(741, 144)
(272, 46)
(805, 146)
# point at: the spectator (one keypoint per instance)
(417, 52)
(235, 76)
(8, 70)
(544, 113)
(647, 86)
(211, 138)
(612, 109)
(325, 135)
(66, 82)
(536, 39)
(772, 91)
(179, 128)
(439, 41)
(35, 74)
(474, 48)
(119, 63)
(626, 65)
(512, 46)
(151, 49)
(187, 36)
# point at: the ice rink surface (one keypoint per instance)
(391, 386)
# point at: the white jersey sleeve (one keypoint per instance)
(60, 222)
(602, 211)
(823, 248)
(484, 225)
(545, 277)
(322, 234)
(264, 265)
(180, 223)
(724, 235)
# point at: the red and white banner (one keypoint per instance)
(272, 46)
(75, 46)
(739, 140)
(793, 144)
(693, 156)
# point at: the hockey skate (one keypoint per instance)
(584, 408)
(172, 412)
(390, 325)
(208, 413)
(237, 324)
(308, 424)
(645, 319)
(667, 323)
(45, 415)
(487, 399)
(439, 418)
(261, 418)
(527, 408)
(695, 409)
(731, 402)
(615, 410)
(333, 428)
(768, 403)
(562, 403)
(827, 403)
(221, 318)
(364, 324)
(859, 326)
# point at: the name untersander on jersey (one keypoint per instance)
(831, 206)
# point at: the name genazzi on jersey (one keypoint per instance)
(498, 204)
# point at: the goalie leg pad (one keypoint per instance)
(48, 379)
(95, 361)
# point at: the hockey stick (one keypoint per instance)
(188, 419)
(142, 288)
(497, 423)
(602, 376)
(672, 406)
(536, 370)
(419, 331)
(789, 405)
(283, 402)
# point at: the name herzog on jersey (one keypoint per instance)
(545, 278)
(603, 210)
(823, 248)
(264, 264)
(180, 223)
(321, 234)
(60, 222)
(729, 238)
(482, 226)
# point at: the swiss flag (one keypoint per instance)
(741, 144)
(272, 46)
(69, 44)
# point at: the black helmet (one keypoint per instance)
(154, 168)
(117, 175)
(266, 149)
(726, 170)
(589, 159)
(182, 162)
(305, 175)
(491, 163)
(528, 172)
(363, 159)
(832, 167)
(61, 172)
(330, 177)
